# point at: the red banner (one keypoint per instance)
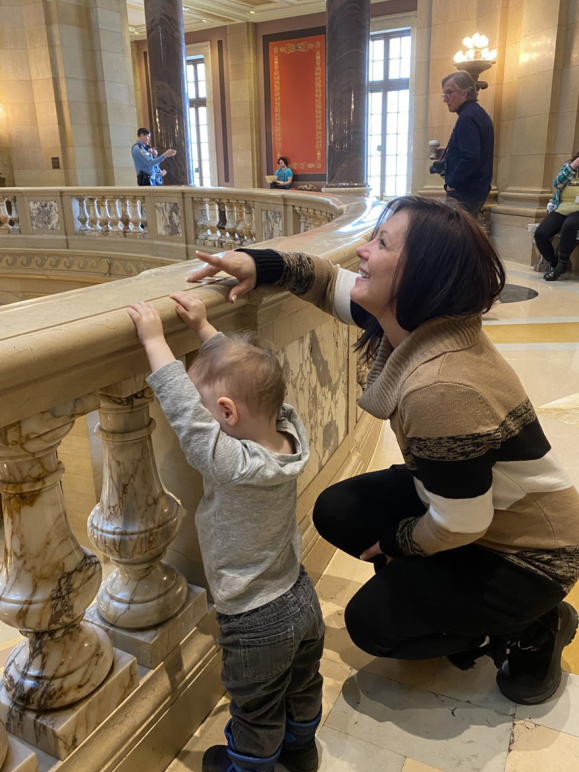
(298, 103)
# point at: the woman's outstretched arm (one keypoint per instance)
(311, 278)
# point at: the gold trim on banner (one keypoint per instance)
(297, 48)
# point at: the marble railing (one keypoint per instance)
(63, 358)
(174, 221)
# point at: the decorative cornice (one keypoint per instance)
(101, 266)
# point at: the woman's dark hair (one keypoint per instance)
(448, 267)
(284, 159)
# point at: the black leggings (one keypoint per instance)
(567, 225)
(416, 607)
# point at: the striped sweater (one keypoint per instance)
(482, 465)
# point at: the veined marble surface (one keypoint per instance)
(316, 369)
(59, 732)
(271, 224)
(151, 646)
(168, 215)
(44, 215)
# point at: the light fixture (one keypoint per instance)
(476, 59)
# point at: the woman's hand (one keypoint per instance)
(373, 552)
(237, 264)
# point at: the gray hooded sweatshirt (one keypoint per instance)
(246, 520)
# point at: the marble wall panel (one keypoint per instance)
(168, 218)
(271, 224)
(44, 215)
(316, 369)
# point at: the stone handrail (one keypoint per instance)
(66, 355)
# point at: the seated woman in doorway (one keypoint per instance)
(283, 174)
(563, 218)
(475, 538)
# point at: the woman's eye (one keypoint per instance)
(382, 244)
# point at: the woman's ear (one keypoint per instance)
(228, 410)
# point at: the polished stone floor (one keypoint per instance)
(389, 716)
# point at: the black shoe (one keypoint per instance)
(465, 660)
(558, 270)
(532, 672)
(303, 759)
(216, 759)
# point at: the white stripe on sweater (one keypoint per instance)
(513, 480)
(342, 304)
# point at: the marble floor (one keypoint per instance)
(427, 716)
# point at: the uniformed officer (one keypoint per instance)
(144, 159)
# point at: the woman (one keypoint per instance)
(563, 218)
(283, 174)
(475, 539)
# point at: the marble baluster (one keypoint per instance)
(212, 236)
(93, 216)
(47, 580)
(249, 219)
(126, 216)
(4, 216)
(347, 42)
(135, 519)
(170, 101)
(230, 224)
(115, 218)
(201, 220)
(143, 218)
(137, 216)
(104, 216)
(82, 218)
(15, 215)
(301, 212)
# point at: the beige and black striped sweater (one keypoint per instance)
(481, 462)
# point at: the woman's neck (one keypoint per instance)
(393, 331)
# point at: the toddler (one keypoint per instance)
(250, 447)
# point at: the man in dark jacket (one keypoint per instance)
(469, 155)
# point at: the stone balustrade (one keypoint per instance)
(72, 682)
(174, 221)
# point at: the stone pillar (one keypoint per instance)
(530, 129)
(241, 56)
(166, 42)
(347, 41)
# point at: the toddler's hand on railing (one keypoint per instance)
(147, 321)
(192, 311)
(150, 331)
(237, 264)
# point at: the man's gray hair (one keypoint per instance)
(464, 83)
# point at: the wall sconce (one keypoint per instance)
(476, 59)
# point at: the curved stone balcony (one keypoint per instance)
(85, 236)
(121, 683)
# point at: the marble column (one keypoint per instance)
(170, 103)
(136, 519)
(347, 41)
(47, 579)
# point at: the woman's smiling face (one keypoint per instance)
(378, 261)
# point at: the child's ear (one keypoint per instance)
(228, 410)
